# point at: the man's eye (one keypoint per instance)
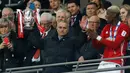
(60, 27)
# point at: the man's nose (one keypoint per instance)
(71, 9)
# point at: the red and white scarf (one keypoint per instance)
(37, 20)
(36, 57)
(20, 24)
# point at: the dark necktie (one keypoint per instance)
(72, 20)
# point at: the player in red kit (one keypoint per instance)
(114, 40)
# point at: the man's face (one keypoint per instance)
(54, 4)
(73, 8)
(110, 16)
(8, 14)
(91, 10)
(45, 23)
(62, 29)
(37, 5)
(93, 23)
(61, 16)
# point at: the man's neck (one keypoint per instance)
(114, 22)
(48, 30)
(76, 14)
(56, 9)
(60, 37)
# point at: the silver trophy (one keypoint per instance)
(28, 19)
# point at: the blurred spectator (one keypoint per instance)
(55, 5)
(37, 5)
(88, 51)
(91, 9)
(9, 14)
(123, 12)
(73, 8)
(59, 47)
(114, 45)
(74, 19)
(63, 15)
(101, 12)
(8, 46)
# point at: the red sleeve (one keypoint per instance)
(98, 44)
(122, 35)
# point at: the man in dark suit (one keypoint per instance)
(34, 58)
(91, 9)
(73, 8)
(87, 51)
(59, 47)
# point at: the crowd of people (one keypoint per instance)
(30, 36)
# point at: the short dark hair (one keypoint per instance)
(73, 1)
(92, 3)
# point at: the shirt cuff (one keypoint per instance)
(99, 38)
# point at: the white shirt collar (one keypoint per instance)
(46, 32)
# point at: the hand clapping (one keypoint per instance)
(91, 33)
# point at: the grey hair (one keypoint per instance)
(48, 16)
(7, 8)
(67, 14)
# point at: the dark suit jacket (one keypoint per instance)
(8, 57)
(88, 51)
(76, 25)
(33, 44)
(56, 51)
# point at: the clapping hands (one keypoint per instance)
(91, 33)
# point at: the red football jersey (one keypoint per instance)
(116, 47)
